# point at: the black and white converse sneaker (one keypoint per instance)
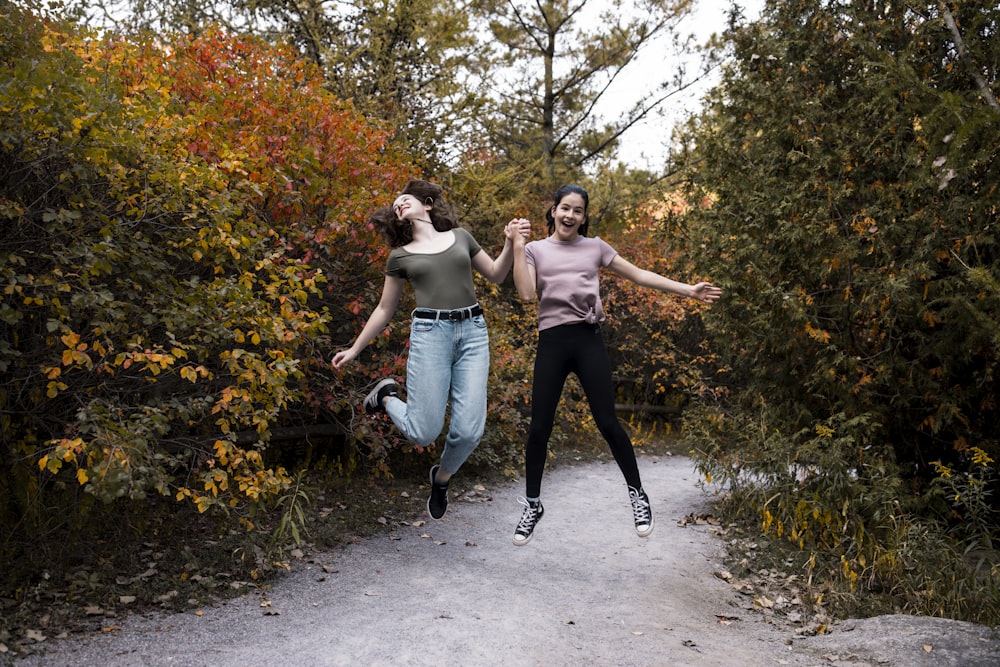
(640, 511)
(533, 512)
(373, 401)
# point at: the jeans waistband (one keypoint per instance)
(451, 315)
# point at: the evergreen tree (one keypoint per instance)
(851, 154)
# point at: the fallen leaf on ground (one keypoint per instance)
(699, 520)
(764, 602)
(166, 597)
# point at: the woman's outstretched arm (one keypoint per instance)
(377, 321)
(705, 292)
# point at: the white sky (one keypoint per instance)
(645, 144)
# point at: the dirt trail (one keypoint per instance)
(585, 591)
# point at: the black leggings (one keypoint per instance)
(565, 349)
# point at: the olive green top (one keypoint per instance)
(440, 280)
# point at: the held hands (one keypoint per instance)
(518, 228)
(706, 292)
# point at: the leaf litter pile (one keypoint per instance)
(776, 593)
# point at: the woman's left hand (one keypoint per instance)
(706, 292)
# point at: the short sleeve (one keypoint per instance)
(529, 253)
(394, 267)
(470, 241)
(607, 252)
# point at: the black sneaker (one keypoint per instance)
(437, 504)
(533, 512)
(640, 511)
(373, 401)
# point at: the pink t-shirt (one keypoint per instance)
(566, 279)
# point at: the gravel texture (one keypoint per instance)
(585, 591)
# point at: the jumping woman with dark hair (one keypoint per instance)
(449, 346)
(561, 273)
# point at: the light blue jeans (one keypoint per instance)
(447, 360)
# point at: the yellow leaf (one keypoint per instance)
(42, 462)
(81, 476)
(53, 388)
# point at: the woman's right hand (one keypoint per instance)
(343, 357)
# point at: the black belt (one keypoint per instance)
(452, 315)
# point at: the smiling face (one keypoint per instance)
(569, 214)
(408, 207)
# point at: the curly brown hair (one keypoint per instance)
(400, 232)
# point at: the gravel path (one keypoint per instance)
(585, 591)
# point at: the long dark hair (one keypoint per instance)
(400, 232)
(558, 197)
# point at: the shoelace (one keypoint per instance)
(640, 507)
(527, 522)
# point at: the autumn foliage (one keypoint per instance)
(184, 241)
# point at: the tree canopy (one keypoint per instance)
(559, 60)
